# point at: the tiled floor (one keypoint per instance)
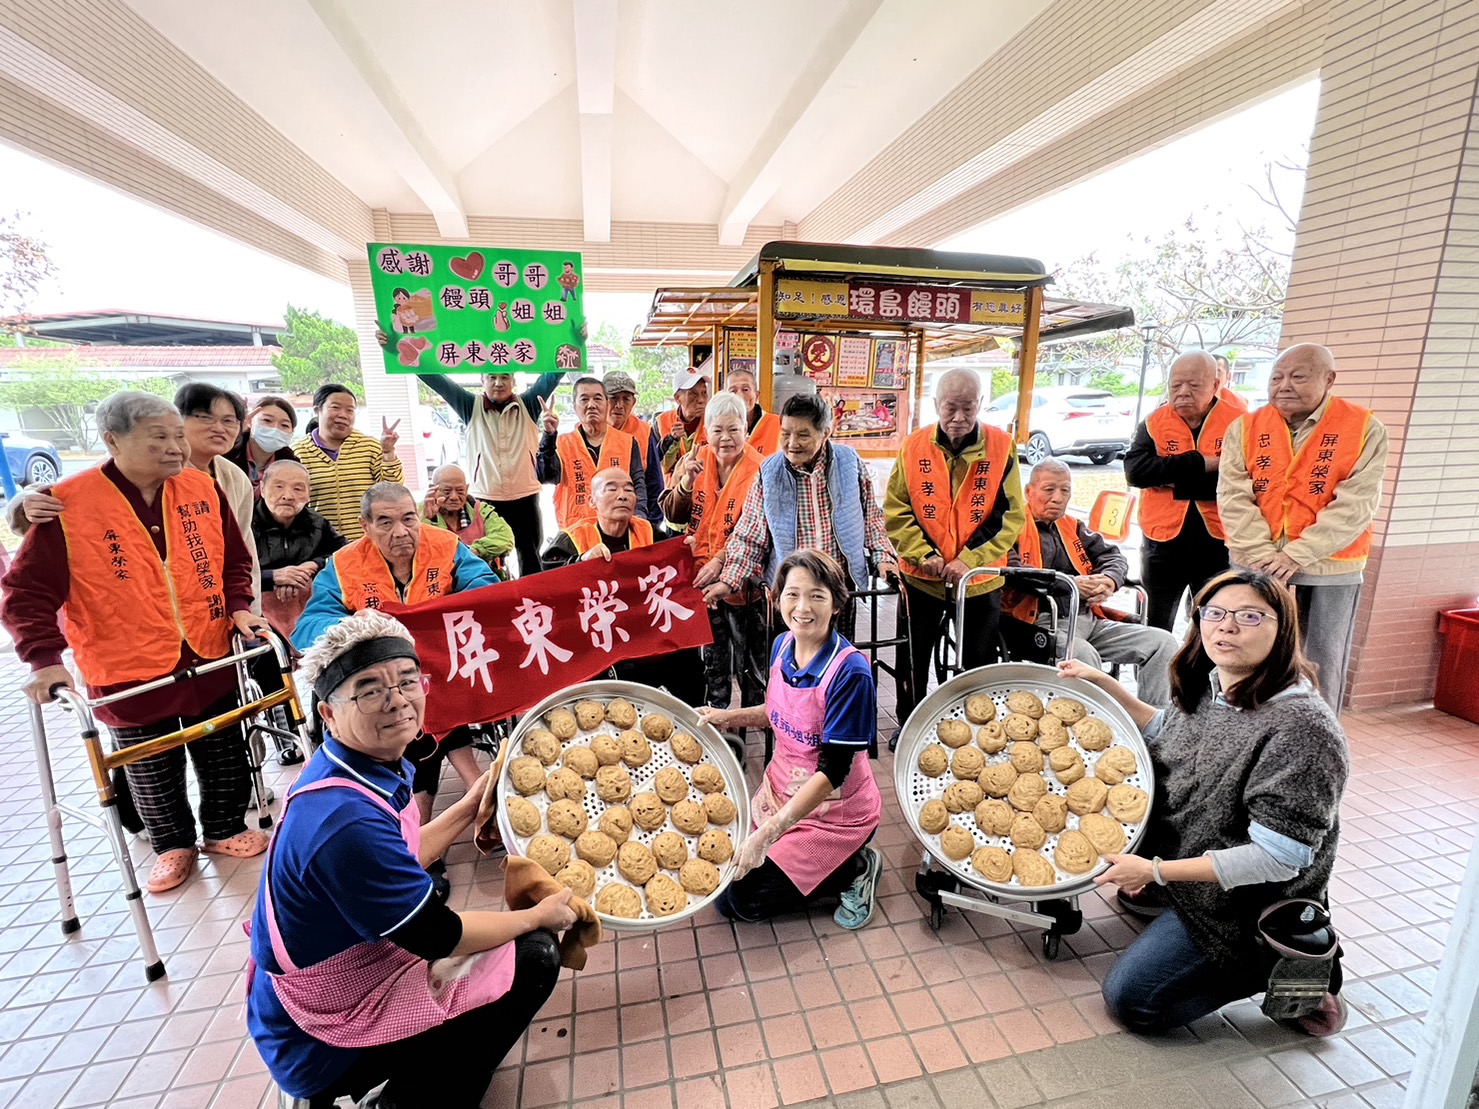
(757, 1015)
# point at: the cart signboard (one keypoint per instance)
(896, 302)
(478, 309)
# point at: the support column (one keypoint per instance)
(392, 396)
(1386, 274)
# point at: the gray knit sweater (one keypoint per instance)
(1219, 768)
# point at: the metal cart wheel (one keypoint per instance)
(1051, 942)
(937, 916)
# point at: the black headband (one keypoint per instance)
(365, 653)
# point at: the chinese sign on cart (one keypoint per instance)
(478, 309)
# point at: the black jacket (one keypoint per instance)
(309, 538)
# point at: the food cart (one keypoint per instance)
(861, 321)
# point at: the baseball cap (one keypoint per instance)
(619, 381)
(690, 377)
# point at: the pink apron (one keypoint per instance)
(840, 825)
(377, 993)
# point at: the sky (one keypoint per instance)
(114, 251)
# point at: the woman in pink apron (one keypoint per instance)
(359, 977)
(818, 806)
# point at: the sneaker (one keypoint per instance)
(1327, 1020)
(858, 901)
(1148, 904)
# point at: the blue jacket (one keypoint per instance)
(778, 484)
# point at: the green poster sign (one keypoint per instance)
(478, 309)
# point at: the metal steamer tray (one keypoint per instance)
(684, 718)
(997, 681)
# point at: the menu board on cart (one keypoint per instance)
(854, 353)
(890, 363)
(482, 309)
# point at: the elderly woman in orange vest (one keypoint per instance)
(150, 570)
(1301, 479)
(708, 493)
(1173, 461)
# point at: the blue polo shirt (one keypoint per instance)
(341, 875)
(852, 701)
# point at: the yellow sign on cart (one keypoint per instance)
(899, 303)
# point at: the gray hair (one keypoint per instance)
(120, 411)
(382, 491)
(725, 404)
(340, 636)
(284, 464)
(1049, 466)
(958, 377)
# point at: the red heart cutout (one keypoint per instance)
(410, 353)
(469, 268)
(418, 342)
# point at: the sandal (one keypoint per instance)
(243, 845)
(171, 869)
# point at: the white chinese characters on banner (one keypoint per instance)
(465, 642)
(534, 621)
(598, 609)
(657, 587)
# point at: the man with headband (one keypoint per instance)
(360, 976)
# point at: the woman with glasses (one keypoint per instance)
(359, 976)
(1250, 765)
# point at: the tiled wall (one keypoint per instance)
(1386, 273)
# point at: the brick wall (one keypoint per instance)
(1386, 274)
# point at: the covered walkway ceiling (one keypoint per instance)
(666, 139)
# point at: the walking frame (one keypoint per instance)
(104, 762)
(1057, 917)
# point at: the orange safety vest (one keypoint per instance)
(766, 438)
(664, 422)
(1291, 487)
(364, 575)
(127, 611)
(715, 511)
(573, 494)
(641, 431)
(950, 524)
(587, 533)
(1232, 400)
(1161, 514)
(1029, 550)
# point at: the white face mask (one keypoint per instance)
(270, 438)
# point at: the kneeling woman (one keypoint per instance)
(359, 976)
(819, 805)
(1250, 766)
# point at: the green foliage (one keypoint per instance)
(653, 367)
(65, 393)
(316, 350)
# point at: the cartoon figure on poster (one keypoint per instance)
(486, 309)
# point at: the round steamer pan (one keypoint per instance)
(914, 788)
(684, 718)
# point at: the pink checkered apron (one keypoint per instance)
(840, 825)
(377, 993)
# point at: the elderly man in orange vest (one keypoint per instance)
(621, 399)
(764, 427)
(1300, 482)
(570, 461)
(1174, 460)
(1224, 384)
(682, 428)
(1053, 540)
(954, 503)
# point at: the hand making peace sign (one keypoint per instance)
(550, 420)
(389, 437)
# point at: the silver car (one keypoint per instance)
(1068, 419)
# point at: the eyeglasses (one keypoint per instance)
(378, 699)
(208, 418)
(1243, 617)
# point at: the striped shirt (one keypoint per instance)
(338, 484)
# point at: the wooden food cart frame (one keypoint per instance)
(946, 303)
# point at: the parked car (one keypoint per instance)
(1068, 420)
(32, 461)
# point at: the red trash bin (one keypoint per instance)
(1458, 668)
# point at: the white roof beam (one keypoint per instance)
(595, 89)
(763, 170)
(412, 153)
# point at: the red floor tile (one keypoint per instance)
(799, 1079)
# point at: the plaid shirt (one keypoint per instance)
(749, 542)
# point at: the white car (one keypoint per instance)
(1069, 420)
(441, 436)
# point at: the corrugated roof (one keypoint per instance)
(136, 357)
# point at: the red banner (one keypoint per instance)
(498, 650)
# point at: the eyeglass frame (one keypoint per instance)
(419, 686)
(1235, 613)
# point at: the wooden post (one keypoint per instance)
(714, 337)
(765, 337)
(1027, 363)
(918, 379)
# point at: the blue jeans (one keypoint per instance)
(1164, 981)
